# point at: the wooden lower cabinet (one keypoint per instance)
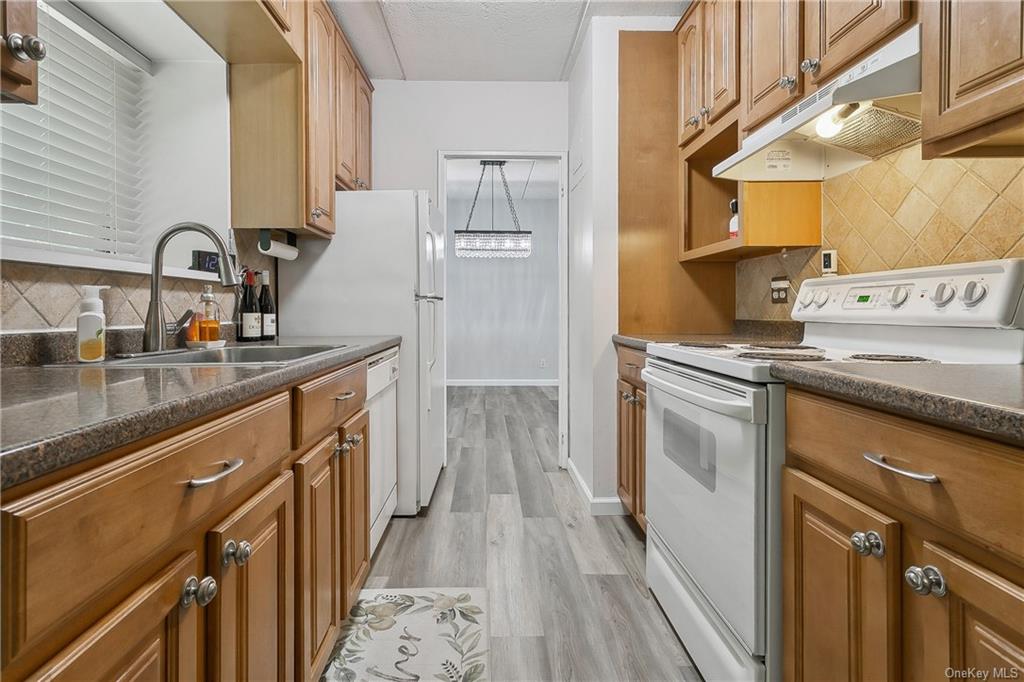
(631, 399)
(322, 595)
(251, 624)
(840, 607)
(626, 448)
(355, 468)
(149, 636)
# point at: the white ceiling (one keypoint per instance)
(477, 40)
(526, 180)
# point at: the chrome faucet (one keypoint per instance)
(153, 335)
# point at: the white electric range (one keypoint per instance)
(716, 439)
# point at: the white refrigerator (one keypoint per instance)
(383, 273)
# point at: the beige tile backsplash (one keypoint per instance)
(900, 212)
(39, 297)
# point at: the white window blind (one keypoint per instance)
(71, 166)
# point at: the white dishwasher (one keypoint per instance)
(382, 402)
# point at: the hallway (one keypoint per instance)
(566, 596)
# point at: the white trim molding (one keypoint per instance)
(502, 382)
(599, 506)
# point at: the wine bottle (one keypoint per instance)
(252, 323)
(236, 316)
(267, 309)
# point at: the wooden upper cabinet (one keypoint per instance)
(626, 446)
(364, 137)
(320, 118)
(978, 623)
(840, 605)
(355, 453)
(251, 623)
(721, 57)
(837, 32)
(290, 16)
(771, 49)
(972, 81)
(691, 74)
(149, 636)
(19, 78)
(319, 547)
(345, 128)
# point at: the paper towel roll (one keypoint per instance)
(280, 250)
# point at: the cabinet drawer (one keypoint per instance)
(977, 493)
(325, 402)
(631, 362)
(65, 544)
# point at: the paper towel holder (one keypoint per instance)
(269, 247)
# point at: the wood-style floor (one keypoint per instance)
(568, 599)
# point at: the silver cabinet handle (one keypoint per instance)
(318, 212)
(704, 112)
(787, 83)
(626, 396)
(355, 439)
(230, 467)
(867, 544)
(692, 121)
(26, 47)
(879, 461)
(239, 552)
(810, 65)
(344, 449)
(347, 395)
(338, 449)
(199, 591)
(925, 581)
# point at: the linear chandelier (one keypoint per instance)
(517, 243)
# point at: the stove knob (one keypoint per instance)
(806, 298)
(821, 298)
(973, 293)
(898, 296)
(943, 294)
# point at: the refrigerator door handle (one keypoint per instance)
(428, 297)
(433, 259)
(433, 332)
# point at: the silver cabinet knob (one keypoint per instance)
(867, 544)
(972, 294)
(355, 439)
(239, 552)
(317, 213)
(810, 65)
(337, 449)
(925, 581)
(26, 47)
(704, 112)
(787, 83)
(692, 121)
(345, 448)
(199, 591)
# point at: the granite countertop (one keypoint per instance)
(52, 417)
(744, 331)
(987, 400)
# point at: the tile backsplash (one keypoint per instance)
(39, 297)
(900, 212)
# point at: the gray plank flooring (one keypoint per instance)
(566, 590)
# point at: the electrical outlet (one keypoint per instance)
(543, 363)
(829, 262)
(780, 289)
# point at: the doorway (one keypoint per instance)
(506, 320)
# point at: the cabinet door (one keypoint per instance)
(977, 624)
(364, 124)
(18, 79)
(840, 607)
(837, 32)
(345, 127)
(149, 636)
(771, 58)
(721, 56)
(627, 446)
(318, 546)
(691, 75)
(320, 121)
(355, 453)
(974, 73)
(250, 625)
(640, 422)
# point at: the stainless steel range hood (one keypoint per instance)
(872, 109)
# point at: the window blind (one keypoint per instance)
(71, 166)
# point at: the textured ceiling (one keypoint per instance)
(485, 40)
(526, 180)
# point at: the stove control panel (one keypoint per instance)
(984, 294)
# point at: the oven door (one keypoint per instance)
(706, 487)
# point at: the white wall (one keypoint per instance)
(413, 120)
(593, 255)
(502, 313)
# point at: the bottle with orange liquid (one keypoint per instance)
(205, 324)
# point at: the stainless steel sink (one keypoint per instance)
(230, 356)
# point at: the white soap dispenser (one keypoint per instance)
(92, 343)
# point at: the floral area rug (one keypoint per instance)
(406, 635)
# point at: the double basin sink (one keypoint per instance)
(229, 356)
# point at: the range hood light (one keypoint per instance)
(831, 122)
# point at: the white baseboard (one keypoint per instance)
(502, 382)
(599, 506)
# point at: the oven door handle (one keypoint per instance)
(739, 409)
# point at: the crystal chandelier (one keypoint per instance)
(517, 243)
